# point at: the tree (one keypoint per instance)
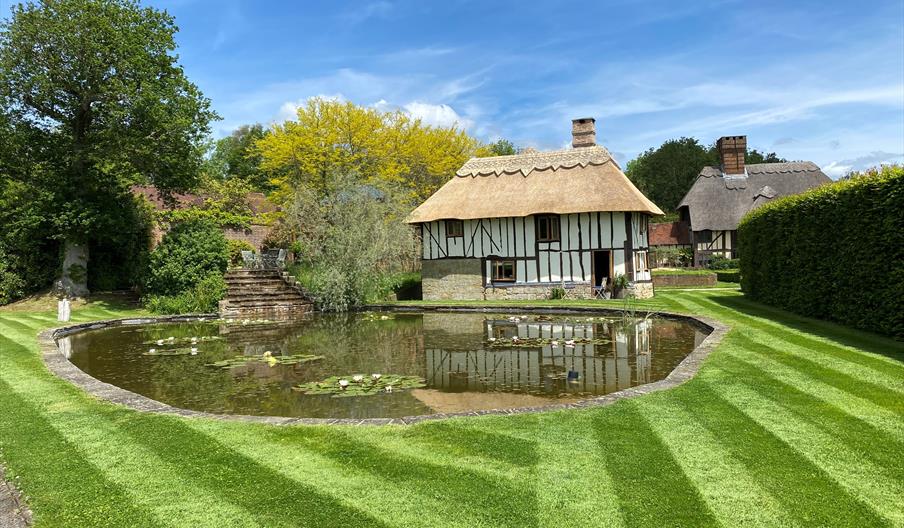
(501, 147)
(665, 174)
(377, 147)
(234, 157)
(93, 92)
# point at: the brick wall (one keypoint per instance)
(459, 279)
(685, 280)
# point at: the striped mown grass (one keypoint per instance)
(790, 422)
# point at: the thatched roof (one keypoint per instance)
(564, 181)
(718, 203)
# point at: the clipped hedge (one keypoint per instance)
(729, 275)
(835, 252)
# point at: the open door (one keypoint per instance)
(602, 267)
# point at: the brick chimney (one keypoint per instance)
(583, 132)
(731, 153)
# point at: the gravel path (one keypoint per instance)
(13, 513)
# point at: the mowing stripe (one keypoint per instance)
(370, 493)
(764, 367)
(494, 501)
(65, 488)
(275, 500)
(799, 485)
(663, 496)
(892, 367)
(885, 449)
(865, 481)
(709, 465)
(99, 439)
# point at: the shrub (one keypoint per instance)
(718, 262)
(728, 275)
(203, 297)
(557, 293)
(12, 286)
(188, 253)
(235, 248)
(835, 252)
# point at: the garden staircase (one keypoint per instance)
(270, 293)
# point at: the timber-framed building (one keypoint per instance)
(519, 226)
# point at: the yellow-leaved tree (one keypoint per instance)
(379, 147)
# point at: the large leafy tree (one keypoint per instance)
(235, 158)
(666, 173)
(332, 137)
(93, 99)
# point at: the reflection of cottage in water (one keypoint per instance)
(606, 356)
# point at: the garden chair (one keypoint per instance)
(249, 259)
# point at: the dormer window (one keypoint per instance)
(548, 228)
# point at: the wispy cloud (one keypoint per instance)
(357, 15)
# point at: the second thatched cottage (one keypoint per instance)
(519, 226)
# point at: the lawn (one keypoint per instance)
(790, 422)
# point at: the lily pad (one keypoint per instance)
(271, 360)
(183, 351)
(366, 386)
(183, 340)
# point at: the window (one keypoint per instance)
(455, 228)
(704, 236)
(504, 271)
(548, 228)
(640, 262)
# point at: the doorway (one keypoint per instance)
(601, 262)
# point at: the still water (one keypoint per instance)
(462, 361)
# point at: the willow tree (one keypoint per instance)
(95, 88)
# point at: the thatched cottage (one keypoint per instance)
(721, 196)
(519, 226)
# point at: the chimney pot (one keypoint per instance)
(731, 153)
(583, 132)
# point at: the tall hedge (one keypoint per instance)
(835, 252)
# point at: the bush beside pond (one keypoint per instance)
(835, 253)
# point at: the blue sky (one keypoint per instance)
(821, 81)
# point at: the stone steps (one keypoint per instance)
(270, 293)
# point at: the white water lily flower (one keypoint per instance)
(491, 339)
(555, 344)
(358, 378)
(515, 338)
(343, 383)
(153, 350)
(159, 342)
(171, 338)
(194, 351)
(388, 388)
(376, 376)
(268, 353)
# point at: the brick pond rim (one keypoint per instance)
(57, 362)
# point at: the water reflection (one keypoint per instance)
(469, 361)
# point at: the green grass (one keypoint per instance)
(790, 422)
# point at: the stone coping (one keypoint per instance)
(57, 363)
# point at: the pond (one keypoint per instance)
(381, 364)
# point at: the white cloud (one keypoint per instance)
(289, 110)
(837, 169)
(441, 115)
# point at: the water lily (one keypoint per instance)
(491, 339)
(159, 342)
(194, 351)
(515, 338)
(268, 353)
(388, 388)
(153, 350)
(555, 344)
(343, 383)
(384, 317)
(358, 378)
(375, 377)
(171, 338)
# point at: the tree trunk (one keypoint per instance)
(74, 279)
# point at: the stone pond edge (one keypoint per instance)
(58, 364)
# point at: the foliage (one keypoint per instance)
(360, 385)
(718, 262)
(92, 99)
(665, 174)
(660, 272)
(332, 137)
(12, 286)
(235, 248)
(188, 254)
(672, 256)
(728, 275)
(500, 147)
(351, 239)
(407, 285)
(235, 157)
(119, 260)
(620, 282)
(225, 204)
(557, 293)
(203, 297)
(266, 357)
(835, 252)
(29, 258)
